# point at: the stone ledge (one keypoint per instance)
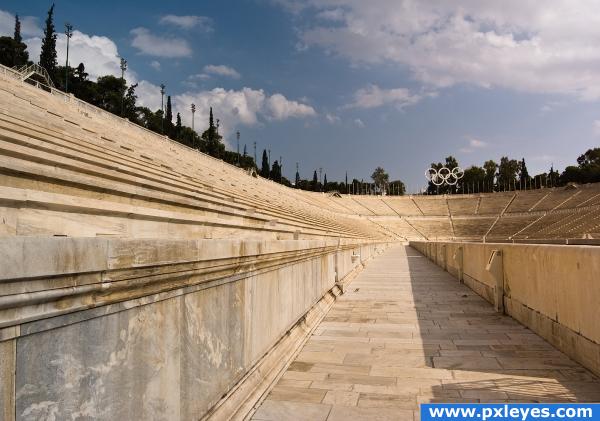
(247, 395)
(95, 277)
(575, 345)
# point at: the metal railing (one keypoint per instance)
(26, 71)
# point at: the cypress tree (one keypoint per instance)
(48, 51)
(17, 36)
(524, 174)
(315, 181)
(325, 182)
(264, 171)
(297, 179)
(178, 127)
(276, 172)
(13, 51)
(346, 185)
(169, 113)
(245, 152)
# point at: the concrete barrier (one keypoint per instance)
(155, 329)
(553, 290)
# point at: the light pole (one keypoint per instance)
(280, 167)
(320, 171)
(162, 108)
(69, 34)
(193, 107)
(123, 68)
(237, 135)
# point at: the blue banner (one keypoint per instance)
(508, 411)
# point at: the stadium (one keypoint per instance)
(141, 278)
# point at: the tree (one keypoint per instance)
(553, 176)
(346, 183)
(109, 93)
(589, 163)
(571, 174)
(264, 171)
(397, 188)
(212, 139)
(507, 173)
(169, 112)
(315, 182)
(13, 51)
(490, 168)
(325, 182)
(245, 154)
(443, 187)
(17, 37)
(380, 178)
(524, 177)
(591, 158)
(276, 172)
(178, 127)
(80, 73)
(473, 180)
(48, 50)
(297, 181)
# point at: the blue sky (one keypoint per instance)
(348, 85)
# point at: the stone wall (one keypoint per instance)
(553, 290)
(96, 328)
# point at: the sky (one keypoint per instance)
(349, 85)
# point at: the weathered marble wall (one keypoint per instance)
(553, 290)
(153, 330)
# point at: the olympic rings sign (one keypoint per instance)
(444, 175)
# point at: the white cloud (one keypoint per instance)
(332, 118)
(596, 127)
(155, 64)
(524, 45)
(543, 158)
(281, 108)
(373, 96)
(331, 14)
(157, 46)
(221, 70)
(148, 95)
(99, 54)
(247, 106)
(29, 25)
(188, 22)
(359, 123)
(473, 144)
(476, 143)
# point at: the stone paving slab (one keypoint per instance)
(406, 333)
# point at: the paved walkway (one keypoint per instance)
(407, 332)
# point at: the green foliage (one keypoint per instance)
(265, 171)
(17, 37)
(48, 50)
(473, 181)
(169, 111)
(449, 163)
(276, 172)
(381, 178)
(396, 188)
(212, 139)
(507, 173)
(587, 171)
(13, 53)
